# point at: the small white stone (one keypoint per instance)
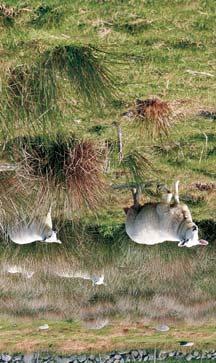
(44, 327)
(162, 327)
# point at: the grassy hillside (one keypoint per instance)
(140, 50)
(69, 71)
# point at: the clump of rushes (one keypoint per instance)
(32, 88)
(136, 166)
(154, 115)
(47, 16)
(67, 164)
(82, 66)
(35, 87)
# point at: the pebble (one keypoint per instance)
(186, 344)
(28, 358)
(17, 358)
(189, 357)
(195, 353)
(82, 358)
(6, 358)
(44, 327)
(172, 354)
(117, 356)
(162, 328)
(135, 353)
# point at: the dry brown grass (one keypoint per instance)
(202, 187)
(154, 115)
(70, 169)
(83, 173)
(7, 11)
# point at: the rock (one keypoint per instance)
(195, 353)
(117, 356)
(162, 355)
(116, 361)
(186, 344)
(45, 357)
(145, 358)
(171, 354)
(106, 357)
(189, 357)
(29, 358)
(63, 360)
(6, 358)
(44, 327)
(140, 351)
(17, 358)
(82, 358)
(113, 353)
(179, 355)
(134, 353)
(92, 357)
(162, 328)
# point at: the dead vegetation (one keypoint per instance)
(153, 115)
(7, 14)
(202, 187)
(73, 165)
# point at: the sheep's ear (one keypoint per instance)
(203, 242)
(126, 210)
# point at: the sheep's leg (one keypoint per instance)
(166, 195)
(136, 193)
(176, 192)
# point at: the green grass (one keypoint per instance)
(71, 337)
(75, 67)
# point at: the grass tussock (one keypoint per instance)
(72, 165)
(82, 66)
(47, 16)
(32, 88)
(35, 88)
(132, 27)
(137, 166)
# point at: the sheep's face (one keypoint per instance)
(191, 238)
(53, 238)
